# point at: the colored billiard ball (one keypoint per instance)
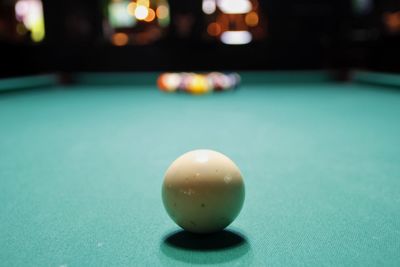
(168, 82)
(198, 85)
(203, 191)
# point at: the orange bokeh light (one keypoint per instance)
(162, 12)
(251, 19)
(214, 29)
(131, 8)
(392, 21)
(120, 39)
(151, 16)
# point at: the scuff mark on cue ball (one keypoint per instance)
(188, 192)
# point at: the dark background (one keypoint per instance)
(301, 35)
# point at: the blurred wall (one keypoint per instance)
(301, 34)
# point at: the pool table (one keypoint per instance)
(81, 168)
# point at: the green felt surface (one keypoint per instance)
(37, 81)
(81, 171)
(377, 78)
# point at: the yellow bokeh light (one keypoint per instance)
(37, 30)
(141, 12)
(30, 12)
(162, 12)
(151, 16)
(131, 8)
(251, 19)
(120, 39)
(21, 29)
(145, 3)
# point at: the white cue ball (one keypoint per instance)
(203, 191)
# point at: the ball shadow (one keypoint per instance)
(215, 241)
(223, 246)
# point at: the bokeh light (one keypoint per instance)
(362, 7)
(150, 16)
(392, 21)
(235, 6)
(145, 3)
(30, 13)
(141, 12)
(234, 22)
(141, 22)
(131, 8)
(118, 14)
(21, 29)
(251, 19)
(214, 29)
(162, 12)
(236, 37)
(120, 39)
(209, 6)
